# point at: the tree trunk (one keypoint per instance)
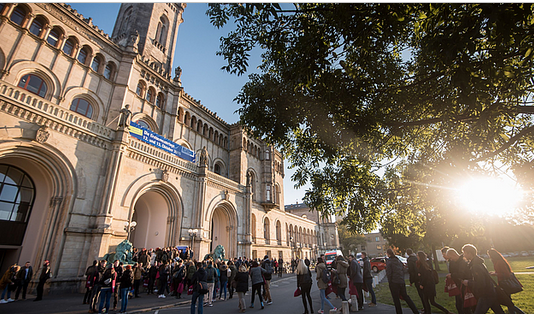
(435, 257)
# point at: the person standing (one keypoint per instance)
(427, 284)
(458, 272)
(126, 284)
(368, 278)
(45, 275)
(502, 271)
(24, 276)
(137, 275)
(304, 282)
(356, 277)
(397, 285)
(198, 276)
(231, 279)
(93, 300)
(480, 282)
(322, 284)
(223, 270)
(280, 267)
(89, 281)
(107, 283)
(241, 286)
(256, 272)
(210, 275)
(341, 268)
(163, 277)
(116, 289)
(267, 265)
(7, 282)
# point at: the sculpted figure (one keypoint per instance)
(125, 116)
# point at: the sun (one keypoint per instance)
(491, 196)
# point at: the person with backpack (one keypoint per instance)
(179, 278)
(304, 282)
(126, 284)
(198, 277)
(217, 281)
(256, 277)
(323, 278)
(223, 270)
(93, 299)
(267, 265)
(427, 284)
(397, 285)
(368, 278)
(341, 272)
(355, 274)
(210, 275)
(89, 281)
(241, 286)
(107, 283)
(503, 271)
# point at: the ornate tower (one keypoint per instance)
(157, 26)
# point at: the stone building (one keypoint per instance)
(75, 173)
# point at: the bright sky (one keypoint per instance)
(202, 77)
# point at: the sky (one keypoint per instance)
(202, 77)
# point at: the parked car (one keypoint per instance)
(378, 264)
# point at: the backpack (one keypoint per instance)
(335, 279)
(435, 276)
(307, 278)
(269, 268)
(326, 276)
(210, 272)
(202, 287)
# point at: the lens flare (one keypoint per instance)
(489, 196)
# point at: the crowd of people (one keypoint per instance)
(16, 279)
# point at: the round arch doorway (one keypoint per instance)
(222, 231)
(151, 212)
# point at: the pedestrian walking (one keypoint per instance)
(397, 285)
(480, 282)
(127, 280)
(267, 265)
(8, 282)
(304, 282)
(503, 271)
(45, 275)
(412, 272)
(24, 276)
(241, 286)
(355, 274)
(368, 278)
(458, 272)
(342, 267)
(322, 283)
(198, 297)
(427, 284)
(256, 277)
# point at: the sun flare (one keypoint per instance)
(489, 196)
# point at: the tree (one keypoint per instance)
(350, 91)
(350, 242)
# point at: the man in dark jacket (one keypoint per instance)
(458, 272)
(412, 271)
(24, 276)
(89, 281)
(116, 290)
(97, 286)
(480, 282)
(355, 274)
(126, 282)
(45, 275)
(397, 286)
(368, 278)
(267, 265)
(199, 276)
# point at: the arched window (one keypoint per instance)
(33, 84)
(143, 124)
(205, 132)
(159, 101)
(278, 232)
(161, 32)
(266, 230)
(53, 37)
(82, 107)
(17, 193)
(150, 95)
(68, 47)
(108, 71)
(82, 55)
(37, 26)
(140, 89)
(187, 119)
(217, 169)
(199, 126)
(253, 227)
(126, 19)
(277, 194)
(18, 15)
(95, 65)
(193, 122)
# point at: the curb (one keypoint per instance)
(159, 307)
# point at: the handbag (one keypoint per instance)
(469, 298)
(180, 288)
(451, 287)
(511, 285)
(190, 290)
(503, 297)
(297, 292)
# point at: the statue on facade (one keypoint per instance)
(219, 254)
(134, 39)
(123, 253)
(204, 157)
(249, 179)
(125, 116)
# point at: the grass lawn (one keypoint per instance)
(524, 300)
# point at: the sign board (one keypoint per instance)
(159, 141)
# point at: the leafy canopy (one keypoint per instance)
(354, 95)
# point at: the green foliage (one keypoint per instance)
(349, 241)
(383, 106)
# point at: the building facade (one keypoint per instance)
(376, 245)
(74, 181)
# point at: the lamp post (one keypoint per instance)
(192, 235)
(129, 227)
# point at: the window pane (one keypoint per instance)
(25, 195)
(68, 47)
(95, 65)
(139, 89)
(14, 176)
(107, 71)
(89, 113)
(143, 124)
(20, 212)
(9, 193)
(53, 37)
(18, 16)
(82, 56)
(3, 171)
(36, 27)
(5, 210)
(26, 182)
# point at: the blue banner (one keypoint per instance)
(159, 141)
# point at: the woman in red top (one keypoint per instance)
(502, 271)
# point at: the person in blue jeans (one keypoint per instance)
(322, 285)
(368, 278)
(200, 275)
(127, 280)
(223, 270)
(107, 282)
